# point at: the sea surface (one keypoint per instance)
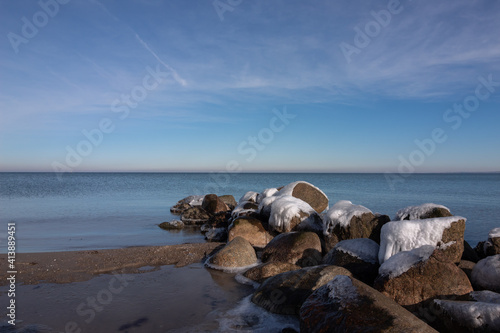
(84, 211)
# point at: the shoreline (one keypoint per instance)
(76, 266)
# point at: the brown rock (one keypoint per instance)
(172, 225)
(237, 253)
(212, 204)
(284, 293)
(299, 248)
(308, 193)
(195, 216)
(433, 278)
(455, 235)
(267, 270)
(179, 208)
(188, 202)
(492, 246)
(251, 229)
(229, 200)
(467, 267)
(355, 307)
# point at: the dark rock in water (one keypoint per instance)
(298, 248)
(348, 305)
(179, 208)
(359, 256)
(251, 229)
(212, 204)
(237, 253)
(229, 201)
(195, 216)
(486, 274)
(186, 203)
(175, 224)
(216, 235)
(469, 253)
(428, 279)
(264, 271)
(284, 293)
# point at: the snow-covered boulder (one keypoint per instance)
(236, 255)
(463, 316)
(298, 248)
(424, 211)
(288, 212)
(444, 233)
(492, 245)
(245, 208)
(268, 192)
(486, 274)
(344, 220)
(249, 196)
(414, 278)
(251, 229)
(347, 305)
(266, 204)
(212, 204)
(307, 192)
(359, 256)
(187, 202)
(284, 293)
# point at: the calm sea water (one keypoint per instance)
(112, 210)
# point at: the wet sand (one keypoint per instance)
(73, 266)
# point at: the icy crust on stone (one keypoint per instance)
(473, 314)
(398, 236)
(249, 196)
(193, 200)
(494, 233)
(284, 209)
(341, 214)
(288, 189)
(238, 269)
(361, 248)
(403, 261)
(342, 290)
(486, 296)
(415, 212)
(265, 205)
(268, 192)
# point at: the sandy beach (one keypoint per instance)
(74, 266)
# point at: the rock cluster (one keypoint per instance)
(345, 268)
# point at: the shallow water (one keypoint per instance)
(164, 299)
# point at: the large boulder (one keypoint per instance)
(308, 193)
(344, 220)
(347, 305)
(359, 256)
(195, 216)
(212, 204)
(187, 202)
(298, 248)
(264, 271)
(236, 254)
(249, 196)
(486, 274)
(251, 229)
(482, 315)
(414, 278)
(284, 293)
(443, 233)
(229, 201)
(492, 245)
(245, 209)
(288, 212)
(424, 211)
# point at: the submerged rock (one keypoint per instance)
(284, 293)
(347, 305)
(298, 248)
(172, 225)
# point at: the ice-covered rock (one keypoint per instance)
(284, 293)
(445, 233)
(268, 192)
(462, 316)
(359, 256)
(347, 305)
(414, 278)
(345, 220)
(175, 224)
(264, 271)
(287, 212)
(249, 196)
(235, 256)
(424, 211)
(298, 248)
(307, 192)
(492, 245)
(486, 274)
(251, 229)
(245, 208)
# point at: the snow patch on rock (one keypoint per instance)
(403, 261)
(341, 214)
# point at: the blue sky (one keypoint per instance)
(324, 86)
